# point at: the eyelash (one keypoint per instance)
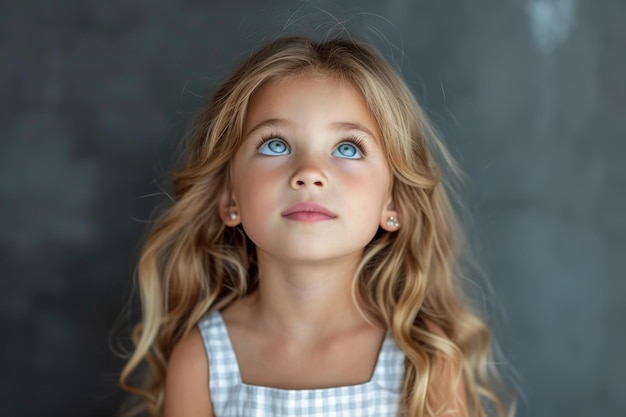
(358, 142)
(265, 138)
(353, 139)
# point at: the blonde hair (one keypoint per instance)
(410, 280)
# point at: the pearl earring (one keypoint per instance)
(232, 216)
(392, 221)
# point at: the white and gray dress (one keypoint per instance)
(232, 397)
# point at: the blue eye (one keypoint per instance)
(273, 147)
(347, 150)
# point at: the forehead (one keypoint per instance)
(310, 96)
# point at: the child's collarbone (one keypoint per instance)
(346, 360)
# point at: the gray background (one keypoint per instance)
(530, 94)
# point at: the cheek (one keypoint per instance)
(253, 189)
(375, 184)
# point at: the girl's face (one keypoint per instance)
(310, 181)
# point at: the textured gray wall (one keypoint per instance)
(531, 94)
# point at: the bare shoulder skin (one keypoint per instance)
(187, 381)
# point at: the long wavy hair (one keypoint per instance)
(409, 280)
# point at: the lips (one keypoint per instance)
(308, 212)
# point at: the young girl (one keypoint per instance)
(309, 264)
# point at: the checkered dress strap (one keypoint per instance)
(231, 397)
(224, 376)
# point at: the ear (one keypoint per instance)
(229, 212)
(389, 217)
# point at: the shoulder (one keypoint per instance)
(447, 387)
(187, 379)
(434, 328)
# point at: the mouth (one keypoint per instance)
(308, 212)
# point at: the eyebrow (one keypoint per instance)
(340, 126)
(352, 126)
(269, 123)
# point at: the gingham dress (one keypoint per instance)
(232, 397)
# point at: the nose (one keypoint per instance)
(308, 175)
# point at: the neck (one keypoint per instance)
(306, 298)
